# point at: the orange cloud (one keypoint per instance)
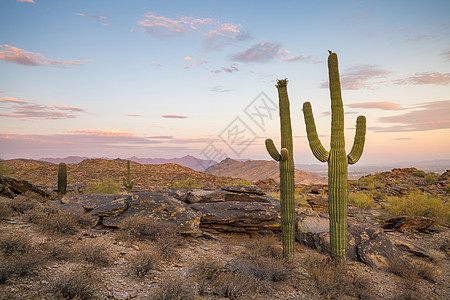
(173, 117)
(102, 133)
(27, 58)
(224, 34)
(377, 104)
(426, 78)
(133, 115)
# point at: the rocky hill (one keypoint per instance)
(254, 170)
(147, 177)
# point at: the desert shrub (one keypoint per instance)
(11, 244)
(426, 271)
(402, 269)
(266, 246)
(22, 204)
(4, 169)
(94, 253)
(234, 286)
(143, 262)
(175, 288)
(363, 202)
(419, 204)
(53, 220)
(106, 186)
(336, 281)
(77, 284)
(419, 173)
(431, 177)
(188, 183)
(5, 209)
(238, 182)
(20, 264)
(264, 269)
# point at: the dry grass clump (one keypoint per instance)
(8, 207)
(336, 281)
(163, 234)
(53, 220)
(94, 253)
(19, 264)
(143, 262)
(11, 244)
(266, 246)
(175, 288)
(77, 284)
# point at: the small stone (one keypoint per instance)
(136, 247)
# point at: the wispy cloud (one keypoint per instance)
(361, 77)
(302, 58)
(133, 115)
(155, 64)
(223, 35)
(219, 89)
(426, 78)
(99, 18)
(262, 52)
(161, 26)
(230, 69)
(422, 117)
(193, 63)
(377, 104)
(21, 109)
(27, 58)
(29, 1)
(173, 117)
(446, 53)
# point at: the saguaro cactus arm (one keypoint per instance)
(270, 146)
(314, 143)
(358, 143)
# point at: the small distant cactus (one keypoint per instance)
(286, 160)
(128, 183)
(336, 158)
(62, 178)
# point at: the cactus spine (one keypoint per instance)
(286, 160)
(126, 182)
(62, 178)
(337, 159)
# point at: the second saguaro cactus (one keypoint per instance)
(62, 178)
(128, 183)
(286, 159)
(336, 158)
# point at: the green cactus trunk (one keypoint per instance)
(286, 160)
(62, 178)
(337, 159)
(127, 182)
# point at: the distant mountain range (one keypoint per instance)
(254, 170)
(185, 161)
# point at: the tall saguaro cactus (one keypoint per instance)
(62, 178)
(128, 183)
(336, 158)
(286, 160)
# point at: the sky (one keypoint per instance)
(111, 78)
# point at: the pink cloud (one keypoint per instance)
(21, 109)
(27, 58)
(99, 18)
(302, 58)
(360, 77)
(223, 35)
(426, 78)
(155, 64)
(422, 117)
(29, 1)
(193, 63)
(262, 52)
(173, 117)
(133, 115)
(377, 104)
(230, 69)
(161, 26)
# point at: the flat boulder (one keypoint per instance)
(251, 189)
(226, 194)
(405, 223)
(159, 207)
(102, 205)
(9, 187)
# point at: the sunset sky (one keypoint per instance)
(165, 79)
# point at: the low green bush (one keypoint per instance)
(105, 186)
(419, 204)
(188, 183)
